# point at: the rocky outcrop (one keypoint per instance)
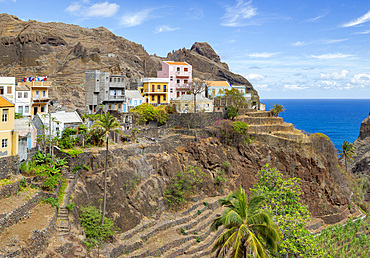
(361, 163)
(64, 52)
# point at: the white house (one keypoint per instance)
(7, 87)
(133, 98)
(59, 121)
(23, 100)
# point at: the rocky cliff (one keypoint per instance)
(64, 52)
(361, 162)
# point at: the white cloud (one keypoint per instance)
(362, 32)
(237, 15)
(9, 0)
(262, 87)
(294, 87)
(331, 56)
(164, 28)
(256, 77)
(316, 18)
(104, 9)
(329, 84)
(333, 41)
(263, 54)
(194, 13)
(335, 75)
(362, 79)
(364, 18)
(300, 43)
(135, 19)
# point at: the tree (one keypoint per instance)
(348, 151)
(235, 98)
(232, 112)
(106, 123)
(282, 199)
(196, 87)
(248, 227)
(277, 110)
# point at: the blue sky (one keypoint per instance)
(287, 49)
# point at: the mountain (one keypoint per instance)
(64, 51)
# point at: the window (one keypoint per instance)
(164, 87)
(37, 94)
(44, 93)
(158, 87)
(20, 110)
(25, 95)
(110, 105)
(164, 97)
(118, 80)
(119, 106)
(185, 81)
(9, 91)
(42, 109)
(152, 97)
(115, 79)
(130, 102)
(1, 90)
(5, 115)
(178, 69)
(178, 80)
(19, 95)
(171, 78)
(110, 79)
(26, 109)
(171, 90)
(140, 101)
(4, 143)
(185, 69)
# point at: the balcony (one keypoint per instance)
(116, 97)
(155, 91)
(182, 86)
(182, 74)
(37, 98)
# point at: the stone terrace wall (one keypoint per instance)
(191, 120)
(9, 190)
(9, 166)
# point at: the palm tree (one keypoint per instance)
(107, 123)
(348, 151)
(246, 225)
(277, 110)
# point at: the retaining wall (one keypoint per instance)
(9, 190)
(9, 166)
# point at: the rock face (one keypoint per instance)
(361, 162)
(64, 52)
(139, 172)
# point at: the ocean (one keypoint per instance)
(340, 119)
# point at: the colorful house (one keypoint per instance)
(7, 87)
(39, 96)
(133, 99)
(185, 104)
(22, 100)
(179, 75)
(155, 90)
(8, 137)
(216, 88)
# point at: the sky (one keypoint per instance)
(285, 48)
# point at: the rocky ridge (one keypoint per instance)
(64, 51)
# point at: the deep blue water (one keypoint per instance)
(340, 119)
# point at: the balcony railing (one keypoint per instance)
(38, 98)
(156, 91)
(179, 73)
(116, 97)
(182, 86)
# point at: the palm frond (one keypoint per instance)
(255, 204)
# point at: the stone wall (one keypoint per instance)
(9, 190)
(9, 166)
(191, 120)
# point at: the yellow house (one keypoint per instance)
(39, 96)
(155, 91)
(8, 137)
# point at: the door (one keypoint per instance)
(34, 111)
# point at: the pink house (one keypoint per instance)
(24, 127)
(180, 75)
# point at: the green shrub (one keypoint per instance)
(232, 112)
(183, 185)
(183, 231)
(199, 212)
(198, 239)
(86, 167)
(77, 168)
(52, 201)
(231, 133)
(73, 152)
(146, 112)
(90, 220)
(70, 206)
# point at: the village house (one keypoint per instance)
(101, 88)
(185, 104)
(179, 75)
(59, 121)
(39, 96)
(8, 137)
(216, 88)
(133, 98)
(27, 136)
(22, 100)
(7, 87)
(155, 90)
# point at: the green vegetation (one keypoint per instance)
(95, 231)
(52, 201)
(346, 241)
(70, 206)
(106, 123)
(347, 152)
(235, 98)
(61, 192)
(72, 152)
(6, 182)
(46, 166)
(232, 112)
(248, 228)
(283, 201)
(146, 112)
(183, 231)
(183, 185)
(231, 133)
(277, 109)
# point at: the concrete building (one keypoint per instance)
(185, 104)
(133, 98)
(7, 87)
(101, 88)
(22, 100)
(39, 96)
(59, 121)
(179, 74)
(8, 137)
(155, 90)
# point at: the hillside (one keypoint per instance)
(63, 52)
